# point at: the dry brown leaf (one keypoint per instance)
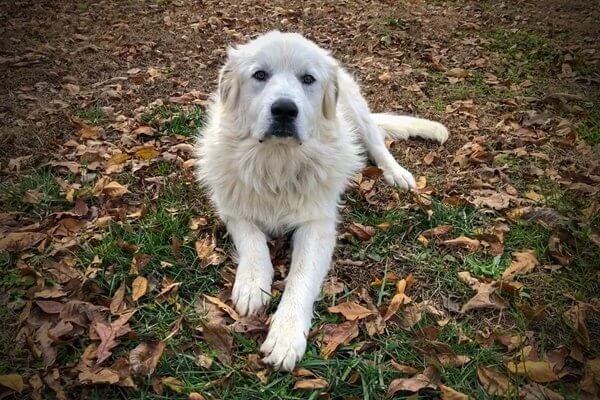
(351, 311)
(524, 262)
(362, 232)
(464, 242)
(429, 378)
(532, 195)
(450, 394)
(457, 73)
(144, 358)
(575, 318)
(12, 381)
(493, 381)
(336, 335)
(139, 287)
(174, 384)
(405, 369)
(490, 199)
(535, 391)
(143, 130)
(101, 376)
(108, 333)
(438, 231)
(591, 378)
(114, 189)
(537, 371)
(205, 248)
(146, 153)
(219, 339)
(399, 299)
(195, 396)
(486, 297)
(19, 241)
(333, 286)
(217, 302)
(117, 303)
(197, 222)
(311, 384)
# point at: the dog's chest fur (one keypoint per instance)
(277, 185)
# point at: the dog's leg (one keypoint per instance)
(252, 287)
(311, 257)
(372, 136)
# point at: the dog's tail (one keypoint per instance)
(404, 127)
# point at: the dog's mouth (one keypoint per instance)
(281, 131)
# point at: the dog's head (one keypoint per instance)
(279, 86)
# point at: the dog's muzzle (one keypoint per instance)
(283, 119)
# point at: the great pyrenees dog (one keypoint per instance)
(285, 133)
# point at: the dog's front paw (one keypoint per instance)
(251, 293)
(439, 132)
(395, 175)
(285, 344)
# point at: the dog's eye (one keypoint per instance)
(308, 79)
(260, 75)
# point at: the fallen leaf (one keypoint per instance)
(450, 394)
(19, 241)
(405, 369)
(12, 381)
(438, 231)
(333, 286)
(197, 222)
(523, 263)
(336, 335)
(138, 262)
(143, 130)
(537, 371)
(399, 299)
(114, 189)
(311, 384)
(205, 248)
(173, 383)
(144, 358)
(485, 297)
(219, 339)
(493, 381)
(362, 232)
(535, 391)
(146, 153)
(216, 301)
(464, 242)
(491, 199)
(457, 73)
(139, 287)
(101, 376)
(351, 311)
(195, 396)
(429, 378)
(591, 378)
(532, 195)
(575, 318)
(108, 333)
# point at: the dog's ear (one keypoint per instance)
(229, 85)
(330, 97)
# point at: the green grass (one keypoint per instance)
(589, 128)
(175, 120)
(40, 183)
(527, 55)
(93, 115)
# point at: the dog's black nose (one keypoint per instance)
(284, 110)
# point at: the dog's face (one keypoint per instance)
(280, 86)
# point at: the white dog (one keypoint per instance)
(281, 142)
